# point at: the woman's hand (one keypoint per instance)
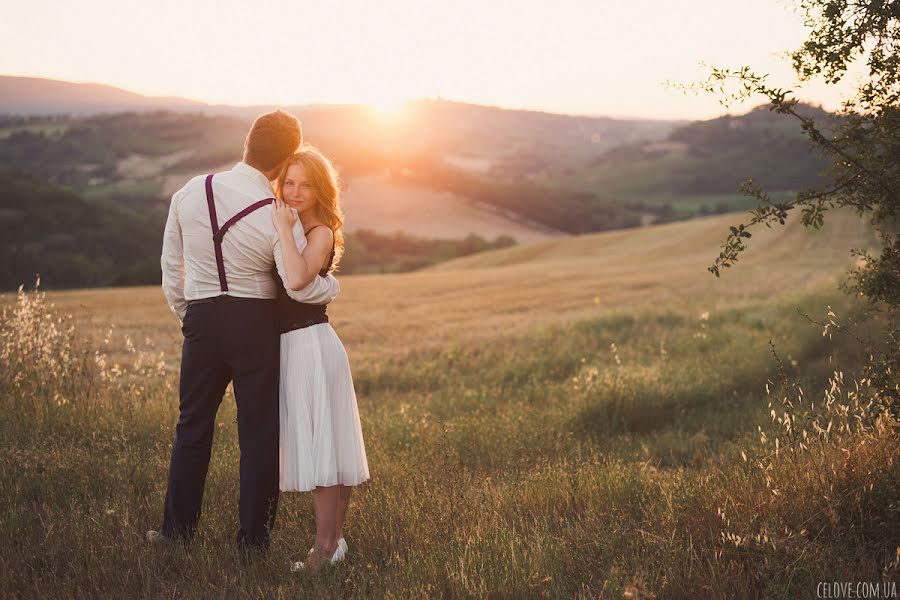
(283, 216)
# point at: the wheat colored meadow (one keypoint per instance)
(591, 416)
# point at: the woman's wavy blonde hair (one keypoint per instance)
(323, 177)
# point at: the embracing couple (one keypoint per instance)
(247, 269)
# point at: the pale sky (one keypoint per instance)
(580, 57)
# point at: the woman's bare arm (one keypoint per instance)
(301, 268)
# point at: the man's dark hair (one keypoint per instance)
(274, 137)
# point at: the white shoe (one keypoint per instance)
(337, 557)
(340, 553)
(342, 544)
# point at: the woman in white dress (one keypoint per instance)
(320, 434)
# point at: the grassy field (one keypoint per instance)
(583, 417)
(374, 202)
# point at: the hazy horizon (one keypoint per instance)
(580, 59)
(736, 110)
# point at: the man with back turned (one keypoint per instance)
(220, 249)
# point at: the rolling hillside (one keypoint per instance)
(38, 96)
(72, 242)
(698, 167)
(140, 159)
(436, 170)
(565, 173)
(513, 406)
(516, 290)
(105, 241)
(378, 203)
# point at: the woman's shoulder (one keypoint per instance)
(310, 227)
(319, 235)
(320, 230)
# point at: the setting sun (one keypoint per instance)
(388, 106)
(382, 55)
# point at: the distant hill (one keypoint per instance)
(561, 173)
(697, 168)
(761, 144)
(140, 157)
(436, 124)
(71, 242)
(36, 96)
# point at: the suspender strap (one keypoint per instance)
(218, 234)
(217, 243)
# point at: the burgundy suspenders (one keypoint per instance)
(219, 233)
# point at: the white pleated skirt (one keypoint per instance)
(321, 440)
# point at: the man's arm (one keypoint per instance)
(321, 290)
(172, 262)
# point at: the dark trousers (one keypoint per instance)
(230, 339)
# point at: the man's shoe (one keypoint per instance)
(155, 537)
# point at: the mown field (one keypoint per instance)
(583, 417)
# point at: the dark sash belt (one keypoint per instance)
(222, 298)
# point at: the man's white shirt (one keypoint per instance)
(250, 248)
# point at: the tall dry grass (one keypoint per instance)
(632, 455)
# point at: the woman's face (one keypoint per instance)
(297, 192)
